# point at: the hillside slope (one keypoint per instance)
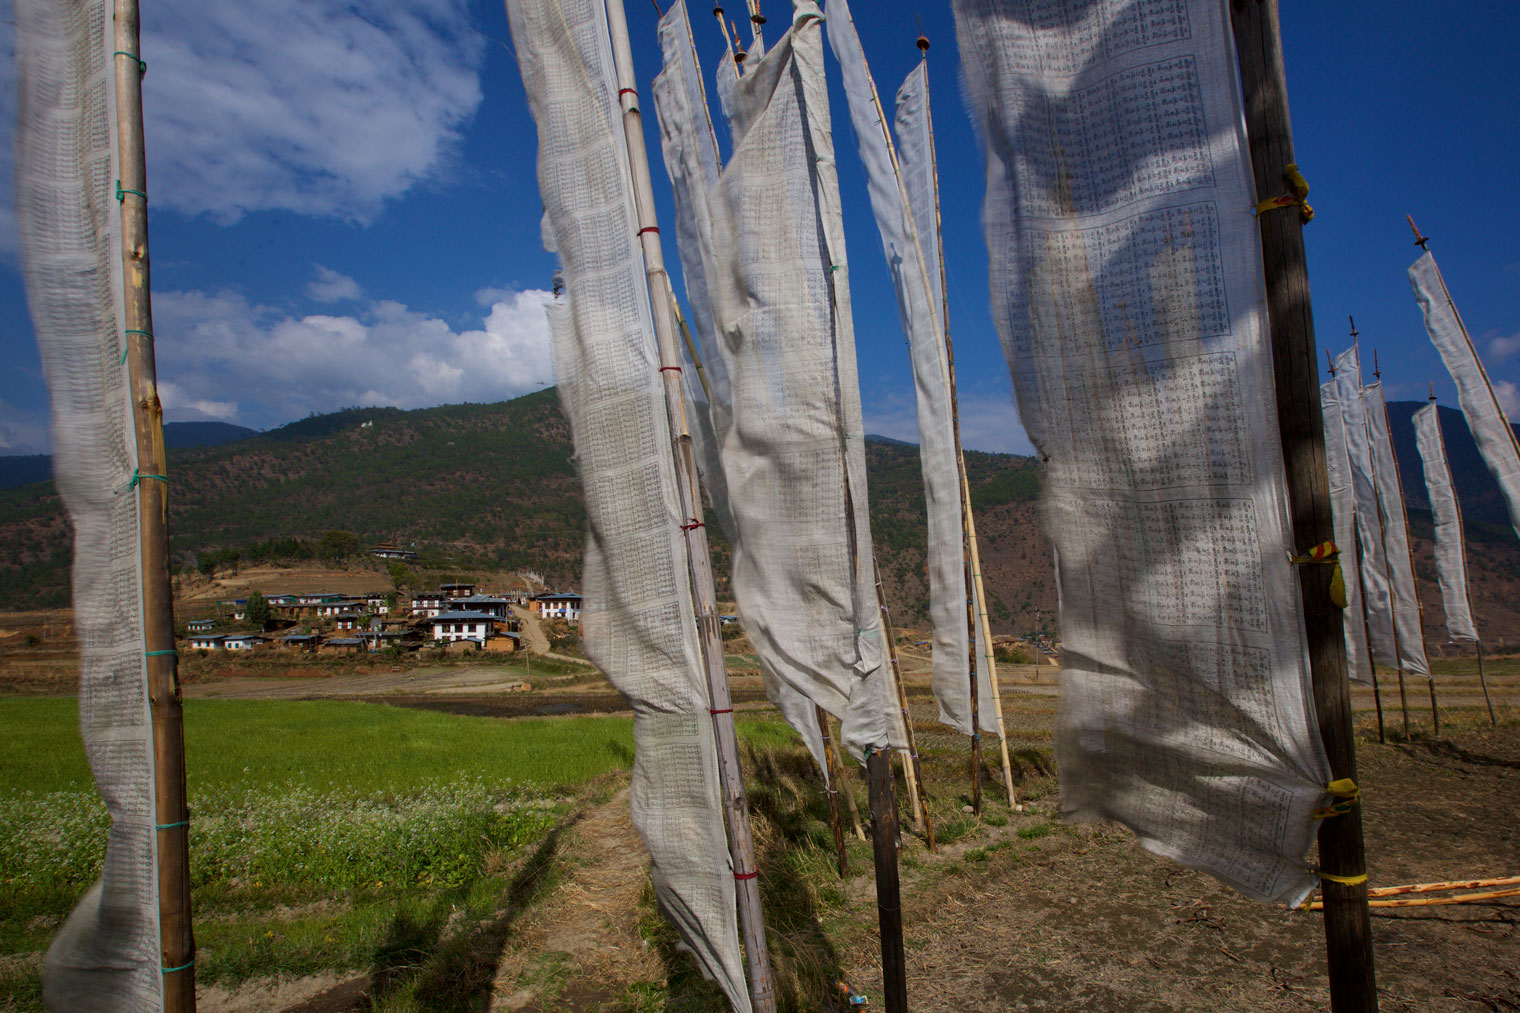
(495, 486)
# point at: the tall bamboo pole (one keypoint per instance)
(171, 810)
(1348, 936)
(911, 770)
(735, 805)
(976, 592)
(1419, 601)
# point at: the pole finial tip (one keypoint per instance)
(1419, 240)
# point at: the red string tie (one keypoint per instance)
(650, 228)
(692, 525)
(667, 369)
(746, 875)
(628, 91)
(728, 710)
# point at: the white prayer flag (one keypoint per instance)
(638, 623)
(1385, 472)
(1451, 552)
(1377, 591)
(789, 438)
(1127, 287)
(1485, 416)
(106, 955)
(903, 241)
(1343, 505)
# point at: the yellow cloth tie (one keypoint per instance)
(1344, 789)
(1357, 880)
(1327, 552)
(1298, 190)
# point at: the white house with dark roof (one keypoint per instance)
(200, 625)
(243, 641)
(207, 641)
(558, 606)
(427, 603)
(450, 626)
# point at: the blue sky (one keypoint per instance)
(344, 208)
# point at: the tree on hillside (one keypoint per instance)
(401, 574)
(337, 546)
(258, 608)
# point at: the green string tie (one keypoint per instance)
(156, 654)
(138, 477)
(832, 267)
(174, 970)
(171, 826)
(133, 330)
(142, 65)
(121, 194)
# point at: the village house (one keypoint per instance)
(340, 645)
(243, 641)
(559, 606)
(457, 590)
(427, 603)
(499, 607)
(299, 641)
(378, 603)
(200, 625)
(207, 641)
(339, 606)
(477, 626)
(386, 550)
(348, 621)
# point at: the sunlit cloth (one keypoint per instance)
(1126, 284)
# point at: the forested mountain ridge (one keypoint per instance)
(494, 486)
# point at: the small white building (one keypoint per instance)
(378, 604)
(457, 590)
(200, 625)
(427, 603)
(451, 626)
(243, 641)
(559, 606)
(207, 641)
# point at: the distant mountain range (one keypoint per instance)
(20, 469)
(493, 486)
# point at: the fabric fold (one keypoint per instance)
(1126, 283)
(765, 240)
(638, 624)
(1450, 551)
(1485, 416)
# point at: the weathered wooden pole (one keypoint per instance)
(171, 808)
(735, 804)
(894, 974)
(1493, 722)
(836, 781)
(1342, 856)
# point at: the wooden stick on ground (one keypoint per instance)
(171, 810)
(1461, 898)
(1348, 935)
(735, 804)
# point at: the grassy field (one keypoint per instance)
(324, 834)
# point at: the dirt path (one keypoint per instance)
(584, 936)
(532, 629)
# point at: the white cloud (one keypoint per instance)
(281, 367)
(1502, 347)
(1509, 397)
(989, 421)
(22, 432)
(330, 286)
(321, 107)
